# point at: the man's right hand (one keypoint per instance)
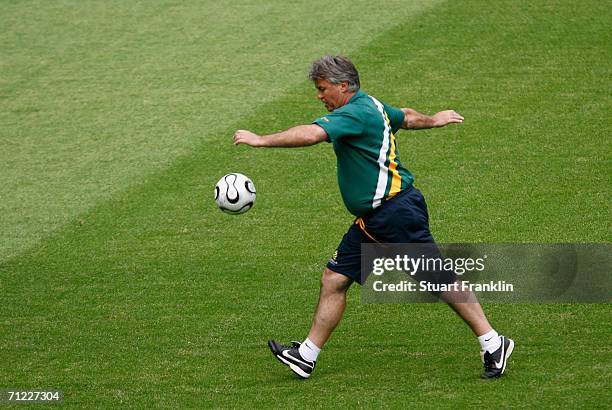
(300, 136)
(248, 138)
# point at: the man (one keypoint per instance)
(378, 190)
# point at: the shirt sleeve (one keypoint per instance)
(396, 117)
(339, 124)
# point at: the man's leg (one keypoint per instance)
(496, 349)
(302, 357)
(466, 305)
(332, 301)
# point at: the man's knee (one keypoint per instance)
(334, 282)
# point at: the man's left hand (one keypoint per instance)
(446, 117)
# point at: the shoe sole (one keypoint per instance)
(281, 359)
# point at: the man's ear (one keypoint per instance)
(344, 86)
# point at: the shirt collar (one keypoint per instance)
(355, 96)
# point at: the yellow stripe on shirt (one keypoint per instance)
(396, 179)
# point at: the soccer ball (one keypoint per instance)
(235, 193)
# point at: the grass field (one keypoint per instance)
(123, 286)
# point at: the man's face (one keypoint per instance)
(332, 95)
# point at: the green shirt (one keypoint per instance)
(363, 136)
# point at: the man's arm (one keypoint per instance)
(300, 136)
(414, 120)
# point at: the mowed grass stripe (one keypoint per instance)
(95, 97)
(158, 299)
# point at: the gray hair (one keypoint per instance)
(336, 70)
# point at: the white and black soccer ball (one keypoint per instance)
(235, 193)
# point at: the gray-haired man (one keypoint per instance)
(379, 191)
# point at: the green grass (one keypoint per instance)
(98, 96)
(123, 285)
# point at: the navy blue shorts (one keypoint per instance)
(401, 219)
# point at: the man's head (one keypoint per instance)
(336, 80)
